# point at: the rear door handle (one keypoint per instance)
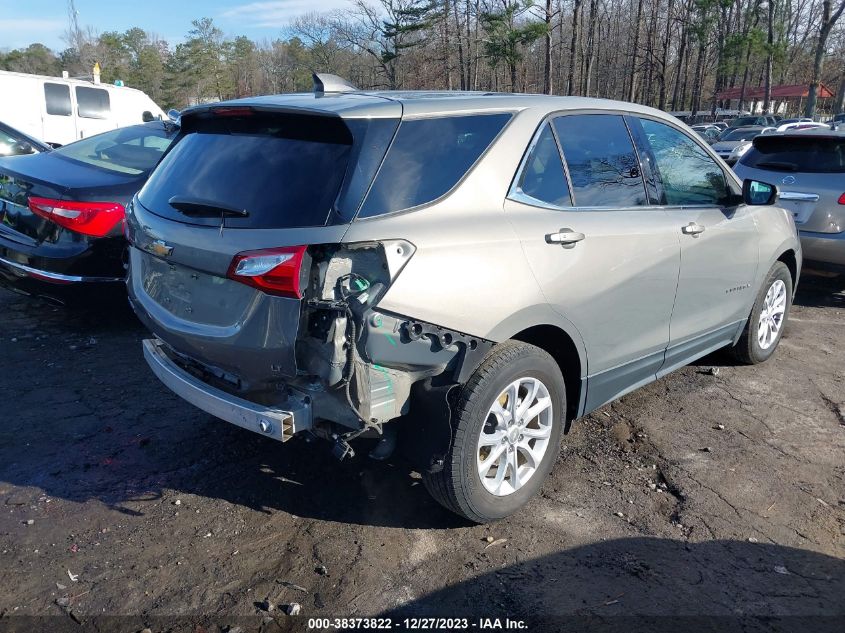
(565, 237)
(692, 229)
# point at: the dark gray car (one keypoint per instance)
(469, 272)
(808, 167)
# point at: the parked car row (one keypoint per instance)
(458, 276)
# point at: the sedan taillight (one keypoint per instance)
(841, 199)
(276, 271)
(96, 219)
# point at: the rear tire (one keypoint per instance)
(768, 317)
(501, 422)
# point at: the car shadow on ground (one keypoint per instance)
(86, 419)
(654, 584)
(90, 421)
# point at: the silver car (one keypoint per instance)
(809, 168)
(734, 142)
(454, 275)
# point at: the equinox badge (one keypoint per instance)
(160, 248)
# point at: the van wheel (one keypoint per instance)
(768, 318)
(506, 433)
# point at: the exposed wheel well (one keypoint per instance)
(558, 343)
(788, 258)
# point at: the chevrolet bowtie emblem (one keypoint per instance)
(160, 248)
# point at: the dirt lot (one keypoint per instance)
(718, 493)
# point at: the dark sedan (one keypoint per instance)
(61, 212)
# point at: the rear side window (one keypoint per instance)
(57, 97)
(810, 153)
(688, 174)
(283, 170)
(603, 165)
(93, 103)
(542, 176)
(427, 158)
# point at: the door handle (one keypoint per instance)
(565, 237)
(692, 229)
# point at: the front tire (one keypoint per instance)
(767, 321)
(506, 434)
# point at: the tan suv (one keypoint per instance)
(459, 274)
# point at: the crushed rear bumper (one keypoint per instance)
(281, 423)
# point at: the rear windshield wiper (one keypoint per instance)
(780, 166)
(200, 207)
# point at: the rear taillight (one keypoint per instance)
(96, 219)
(275, 271)
(842, 199)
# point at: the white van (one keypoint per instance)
(58, 110)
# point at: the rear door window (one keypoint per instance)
(284, 171)
(688, 174)
(809, 154)
(57, 98)
(542, 175)
(603, 166)
(427, 159)
(93, 103)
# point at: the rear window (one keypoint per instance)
(740, 135)
(131, 150)
(284, 171)
(427, 158)
(603, 166)
(812, 154)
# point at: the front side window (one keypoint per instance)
(131, 150)
(427, 158)
(603, 166)
(92, 103)
(57, 98)
(688, 174)
(542, 176)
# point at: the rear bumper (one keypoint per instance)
(16, 269)
(280, 423)
(827, 248)
(65, 270)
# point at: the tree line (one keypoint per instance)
(676, 55)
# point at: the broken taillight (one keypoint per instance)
(276, 271)
(96, 219)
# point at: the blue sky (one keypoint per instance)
(23, 22)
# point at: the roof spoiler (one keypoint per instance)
(326, 83)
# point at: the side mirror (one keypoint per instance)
(147, 116)
(755, 192)
(22, 147)
(173, 115)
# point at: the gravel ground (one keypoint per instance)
(717, 491)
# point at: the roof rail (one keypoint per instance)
(326, 83)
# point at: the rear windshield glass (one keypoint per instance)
(283, 171)
(427, 158)
(741, 135)
(796, 153)
(130, 150)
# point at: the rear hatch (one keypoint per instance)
(809, 172)
(236, 181)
